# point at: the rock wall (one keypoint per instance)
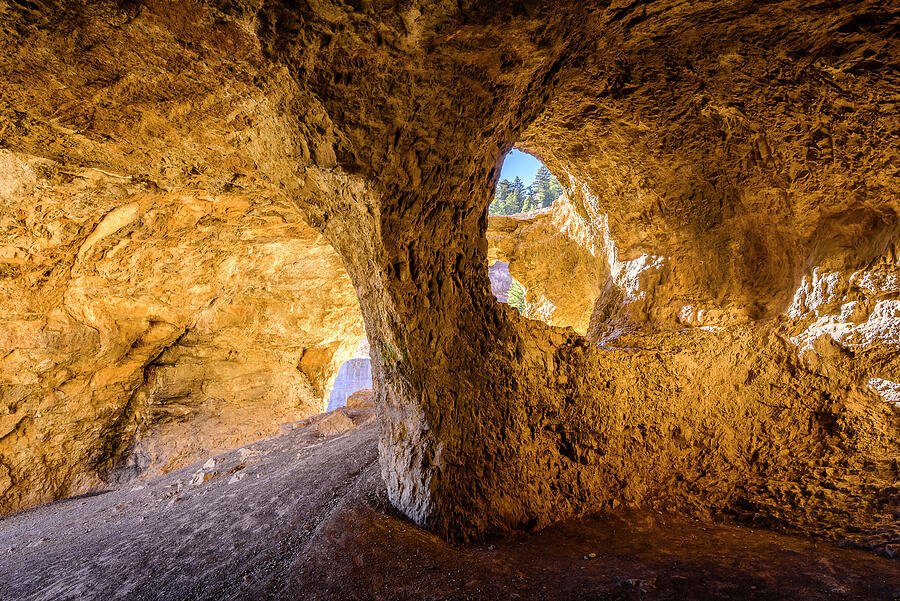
(143, 330)
(835, 348)
(554, 257)
(715, 154)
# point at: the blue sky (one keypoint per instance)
(519, 164)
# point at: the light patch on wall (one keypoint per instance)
(628, 274)
(889, 391)
(881, 327)
(857, 323)
(542, 309)
(875, 282)
(813, 292)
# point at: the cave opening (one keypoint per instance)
(505, 288)
(513, 196)
(539, 259)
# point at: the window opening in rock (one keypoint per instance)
(525, 185)
(355, 374)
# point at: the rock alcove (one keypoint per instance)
(729, 222)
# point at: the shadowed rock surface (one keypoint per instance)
(730, 169)
(304, 516)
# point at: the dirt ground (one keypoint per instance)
(304, 516)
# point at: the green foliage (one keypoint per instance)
(513, 197)
(516, 296)
(516, 197)
(541, 186)
(555, 189)
(498, 205)
(390, 356)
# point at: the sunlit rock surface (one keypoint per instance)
(560, 266)
(142, 330)
(714, 156)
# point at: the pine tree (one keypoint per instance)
(500, 195)
(516, 198)
(555, 190)
(542, 178)
(513, 197)
(531, 201)
(541, 187)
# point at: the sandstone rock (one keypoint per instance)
(170, 328)
(202, 477)
(334, 423)
(361, 399)
(712, 159)
(245, 453)
(556, 262)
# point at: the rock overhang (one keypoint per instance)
(724, 141)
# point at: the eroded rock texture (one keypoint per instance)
(552, 253)
(145, 329)
(720, 157)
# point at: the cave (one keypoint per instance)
(205, 207)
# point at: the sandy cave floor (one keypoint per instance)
(304, 516)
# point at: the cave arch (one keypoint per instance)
(490, 423)
(717, 138)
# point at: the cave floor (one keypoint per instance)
(304, 516)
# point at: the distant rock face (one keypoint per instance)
(142, 330)
(498, 273)
(354, 375)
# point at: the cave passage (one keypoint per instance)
(714, 157)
